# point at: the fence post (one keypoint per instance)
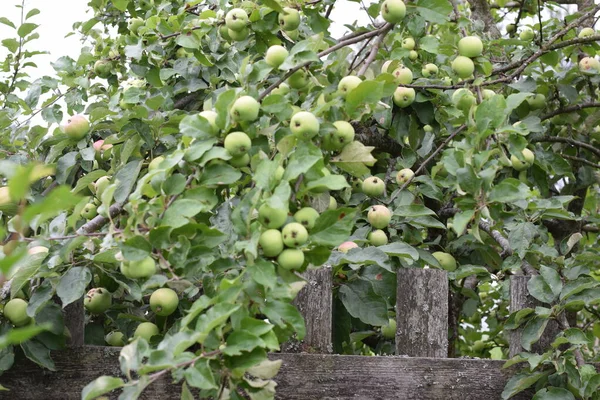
(422, 313)
(75, 322)
(519, 299)
(315, 303)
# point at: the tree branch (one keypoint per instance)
(99, 221)
(570, 109)
(570, 141)
(375, 49)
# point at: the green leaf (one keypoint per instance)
(329, 182)
(400, 249)
(533, 331)
(181, 210)
(72, 285)
(521, 237)
(367, 256)
(552, 279)
(436, 11)
(101, 385)
(461, 221)
(7, 22)
(38, 353)
(274, 5)
(283, 313)
(220, 174)
(126, 178)
(58, 200)
(302, 159)
(413, 210)
(263, 273)
(200, 375)
(121, 5)
(11, 44)
(196, 126)
(136, 248)
(520, 382)
(83, 182)
(333, 227)
(214, 317)
(362, 302)
(19, 335)
(491, 114)
(467, 270)
(540, 289)
(509, 190)
(355, 158)
(26, 29)
(367, 92)
(553, 393)
(241, 341)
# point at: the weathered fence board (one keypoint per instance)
(302, 377)
(75, 322)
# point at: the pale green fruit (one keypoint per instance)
(348, 84)
(589, 65)
(282, 90)
(346, 247)
(429, 70)
(140, 269)
(102, 68)
(292, 34)
(115, 338)
(298, 80)
(428, 128)
(510, 28)
(276, 55)
(463, 98)
(304, 125)
(164, 301)
(238, 36)
(224, 32)
(240, 161)
(306, 216)
(332, 203)
(16, 312)
(97, 300)
(529, 159)
(378, 238)
(236, 19)
(101, 185)
(357, 185)
(289, 20)
(537, 102)
(403, 75)
(447, 262)
(393, 11)
(291, 259)
(245, 109)
(271, 242)
(270, 217)
(389, 331)
(279, 173)
(155, 163)
(379, 216)
(89, 211)
(404, 175)
(77, 127)
(527, 35)
(294, 234)
(134, 25)
(146, 330)
(585, 32)
(237, 143)
(373, 186)
(408, 43)
(211, 117)
(385, 66)
(463, 66)
(413, 55)
(470, 46)
(343, 135)
(404, 97)
(488, 94)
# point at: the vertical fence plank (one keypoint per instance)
(75, 322)
(422, 313)
(315, 303)
(519, 299)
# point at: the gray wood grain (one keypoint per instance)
(75, 322)
(422, 313)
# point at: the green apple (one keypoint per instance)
(115, 338)
(299, 79)
(527, 35)
(77, 127)
(304, 125)
(393, 11)
(282, 89)
(291, 259)
(238, 36)
(343, 135)
(240, 161)
(378, 238)
(332, 203)
(470, 46)
(237, 143)
(385, 66)
(373, 186)
(408, 43)
(356, 185)
(236, 19)
(97, 300)
(404, 97)
(404, 175)
(463, 66)
(245, 109)
(528, 160)
(537, 102)
(16, 312)
(279, 173)
(139, 269)
(306, 216)
(276, 55)
(146, 330)
(102, 68)
(429, 70)
(155, 163)
(389, 331)
(403, 75)
(348, 84)
(182, 53)
(413, 55)
(428, 128)
(446, 260)
(346, 247)
(100, 185)
(585, 32)
(487, 94)
(134, 25)
(463, 99)
(211, 117)
(164, 301)
(289, 20)
(89, 211)
(270, 217)
(589, 65)
(271, 242)
(511, 28)
(379, 216)
(224, 32)
(294, 234)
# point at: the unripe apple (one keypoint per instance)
(487, 94)
(245, 109)
(446, 260)
(270, 217)
(393, 11)
(182, 53)
(463, 99)
(238, 36)
(379, 216)
(236, 19)
(240, 161)
(140, 269)
(77, 127)
(282, 89)
(589, 65)
(428, 128)
(102, 68)
(16, 312)
(429, 70)
(304, 125)
(237, 143)
(89, 211)
(298, 80)
(276, 55)
(527, 35)
(348, 84)
(306, 216)
(389, 331)
(356, 185)
(97, 300)
(346, 247)
(510, 28)
(155, 163)
(164, 301)
(537, 102)
(378, 238)
(403, 75)
(404, 97)
(404, 175)
(289, 20)
(470, 46)
(37, 250)
(373, 186)
(332, 203)
(211, 117)
(134, 25)
(529, 159)
(291, 259)
(146, 330)
(294, 234)
(463, 66)
(115, 338)
(585, 32)
(385, 66)
(408, 43)
(413, 55)
(279, 173)
(343, 135)
(100, 185)
(271, 242)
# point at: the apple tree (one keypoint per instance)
(198, 157)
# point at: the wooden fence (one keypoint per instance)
(420, 370)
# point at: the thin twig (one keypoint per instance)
(581, 160)
(375, 49)
(570, 109)
(570, 141)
